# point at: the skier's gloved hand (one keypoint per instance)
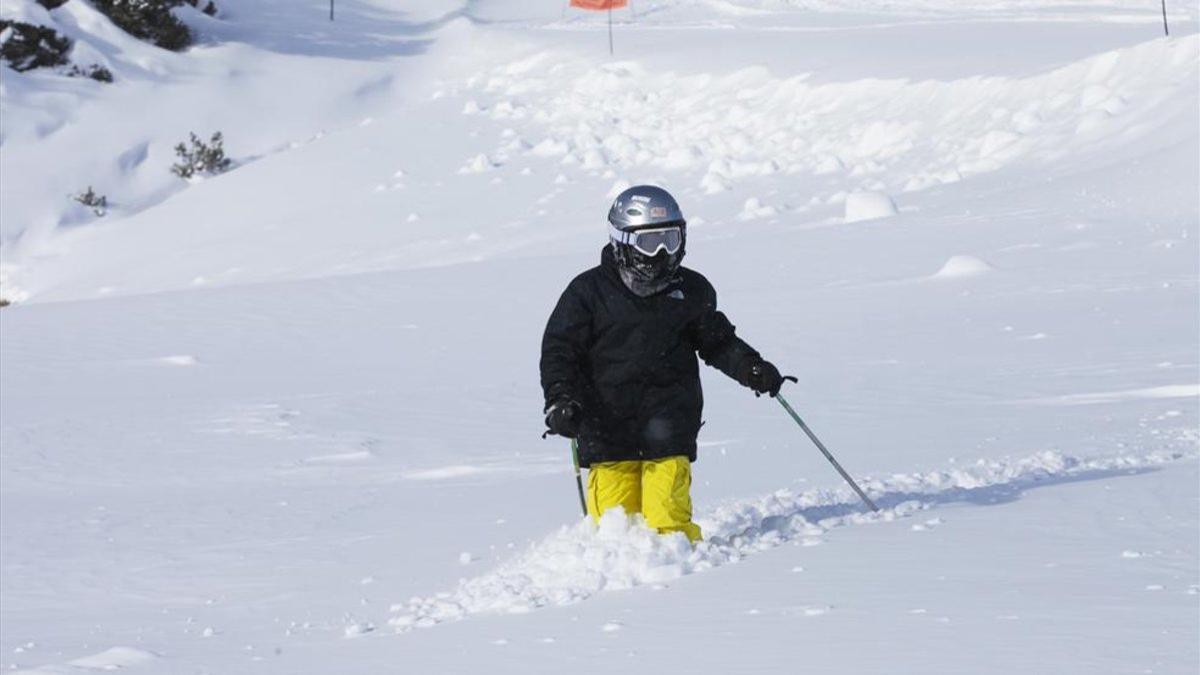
(764, 378)
(563, 417)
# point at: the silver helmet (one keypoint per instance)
(644, 206)
(647, 233)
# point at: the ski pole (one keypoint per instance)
(578, 478)
(821, 446)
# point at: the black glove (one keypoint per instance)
(764, 378)
(563, 417)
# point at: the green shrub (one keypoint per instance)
(95, 72)
(201, 158)
(97, 203)
(152, 20)
(27, 46)
(149, 20)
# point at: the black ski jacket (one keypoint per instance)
(630, 362)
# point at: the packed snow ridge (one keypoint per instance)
(620, 552)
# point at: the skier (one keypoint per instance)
(619, 369)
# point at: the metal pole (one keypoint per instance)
(821, 446)
(331, 10)
(1166, 31)
(578, 476)
(610, 28)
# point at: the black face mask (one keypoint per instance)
(646, 275)
(652, 268)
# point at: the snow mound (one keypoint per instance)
(478, 164)
(754, 208)
(115, 658)
(621, 552)
(963, 266)
(868, 206)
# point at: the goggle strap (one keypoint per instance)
(618, 235)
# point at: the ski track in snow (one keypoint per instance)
(581, 560)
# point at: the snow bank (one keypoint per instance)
(581, 560)
(745, 125)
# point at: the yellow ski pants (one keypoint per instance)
(659, 489)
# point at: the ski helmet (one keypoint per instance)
(648, 233)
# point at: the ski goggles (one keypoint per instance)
(650, 241)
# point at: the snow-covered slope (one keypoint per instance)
(285, 419)
(408, 119)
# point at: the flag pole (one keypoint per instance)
(610, 28)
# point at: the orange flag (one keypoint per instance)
(599, 5)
